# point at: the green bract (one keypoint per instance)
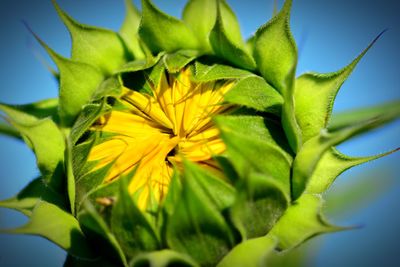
(280, 143)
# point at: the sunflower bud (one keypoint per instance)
(175, 143)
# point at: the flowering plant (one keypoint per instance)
(174, 142)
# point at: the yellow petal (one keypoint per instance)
(210, 133)
(176, 118)
(148, 105)
(200, 151)
(154, 171)
(164, 97)
(129, 124)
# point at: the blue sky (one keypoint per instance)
(329, 33)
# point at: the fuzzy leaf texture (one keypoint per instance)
(174, 142)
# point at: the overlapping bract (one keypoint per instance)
(280, 154)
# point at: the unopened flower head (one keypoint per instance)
(155, 131)
(178, 143)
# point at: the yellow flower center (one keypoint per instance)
(157, 131)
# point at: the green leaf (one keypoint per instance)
(46, 140)
(259, 204)
(275, 8)
(173, 195)
(208, 71)
(193, 16)
(162, 32)
(255, 153)
(301, 256)
(88, 116)
(109, 87)
(72, 261)
(130, 226)
(78, 81)
(129, 30)
(70, 176)
(312, 151)
(331, 165)
(80, 153)
(41, 109)
(196, 227)
(167, 206)
(105, 190)
(163, 258)
(227, 168)
(218, 191)
(97, 231)
(275, 50)
(275, 53)
(257, 127)
(315, 95)
(154, 74)
(229, 22)
(300, 222)
(251, 252)
(48, 145)
(229, 47)
(289, 121)
(33, 111)
(174, 62)
(26, 200)
(250, 44)
(254, 92)
(347, 118)
(60, 227)
(136, 65)
(94, 46)
(9, 130)
(140, 64)
(91, 181)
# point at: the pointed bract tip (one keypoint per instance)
(287, 6)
